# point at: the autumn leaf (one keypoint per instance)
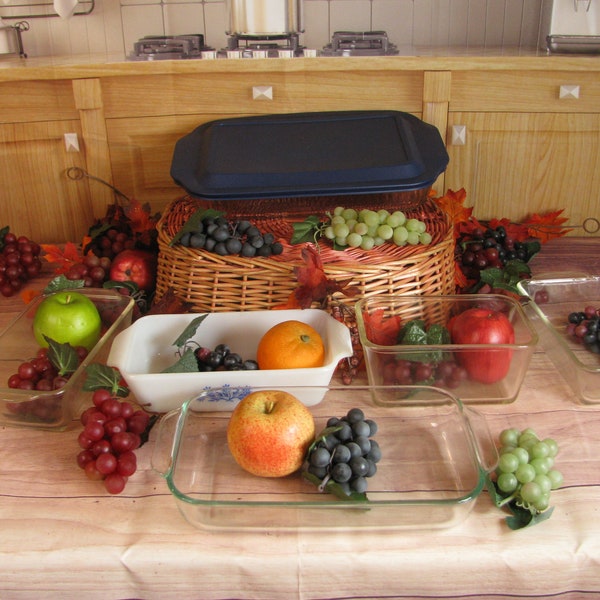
(547, 226)
(382, 330)
(517, 231)
(452, 203)
(64, 258)
(313, 283)
(139, 216)
(28, 295)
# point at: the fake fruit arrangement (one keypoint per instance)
(269, 433)
(67, 317)
(290, 345)
(483, 326)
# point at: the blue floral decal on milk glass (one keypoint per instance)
(227, 393)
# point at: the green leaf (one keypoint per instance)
(321, 436)
(60, 283)
(131, 286)
(187, 363)
(63, 356)
(525, 518)
(189, 332)
(334, 488)
(194, 221)
(99, 376)
(532, 248)
(521, 516)
(307, 230)
(413, 333)
(438, 334)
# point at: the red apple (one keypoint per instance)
(269, 433)
(67, 317)
(138, 266)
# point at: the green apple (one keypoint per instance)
(68, 317)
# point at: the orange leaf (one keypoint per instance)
(460, 279)
(28, 295)
(64, 258)
(547, 226)
(453, 204)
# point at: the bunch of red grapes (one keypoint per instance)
(94, 269)
(112, 431)
(483, 248)
(19, 262)
(40, 373)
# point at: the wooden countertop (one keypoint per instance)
(410, 59)
(61, 536)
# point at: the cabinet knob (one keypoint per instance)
(568, 92)
(262, 92)
(458, 135)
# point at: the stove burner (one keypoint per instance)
(359, 43)
(162, 47)
(270, 45)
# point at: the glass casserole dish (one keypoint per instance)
(435, 456)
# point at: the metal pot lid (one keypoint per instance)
(309, 154)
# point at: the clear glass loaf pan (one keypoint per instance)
(55, 409)
(436, 453)
(563, 295)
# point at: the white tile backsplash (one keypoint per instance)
(115, 25)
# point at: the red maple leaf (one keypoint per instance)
(382, 330)
(63, 258)
(313, 283)
(547, 226)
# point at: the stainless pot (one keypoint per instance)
(262, 18)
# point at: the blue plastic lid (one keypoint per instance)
(309, 154)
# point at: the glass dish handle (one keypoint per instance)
(164, 447)
(482, 440)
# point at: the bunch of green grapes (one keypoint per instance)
(366, 228)
(526, 470)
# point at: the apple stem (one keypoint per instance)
(269, 407)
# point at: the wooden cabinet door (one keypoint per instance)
(515, 164)
(37, 199)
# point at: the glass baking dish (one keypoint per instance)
(55, 409)
(436, 453)
(380, 360)
(552, 299)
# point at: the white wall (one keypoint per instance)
(114, 25)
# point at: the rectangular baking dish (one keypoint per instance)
(436, 453)
(552, 299)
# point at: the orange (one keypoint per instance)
(290, 345)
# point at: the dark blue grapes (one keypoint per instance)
(221, 358)
(231, 238)
(346, 453)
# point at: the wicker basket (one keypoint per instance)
(212, 283)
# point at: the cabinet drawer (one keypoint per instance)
(365, 90)
(206, 93)
(30, 101)
(525, 91)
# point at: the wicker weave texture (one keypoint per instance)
(212, 283)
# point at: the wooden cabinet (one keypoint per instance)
(521, 143)
(36, 197)
(523, 135)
